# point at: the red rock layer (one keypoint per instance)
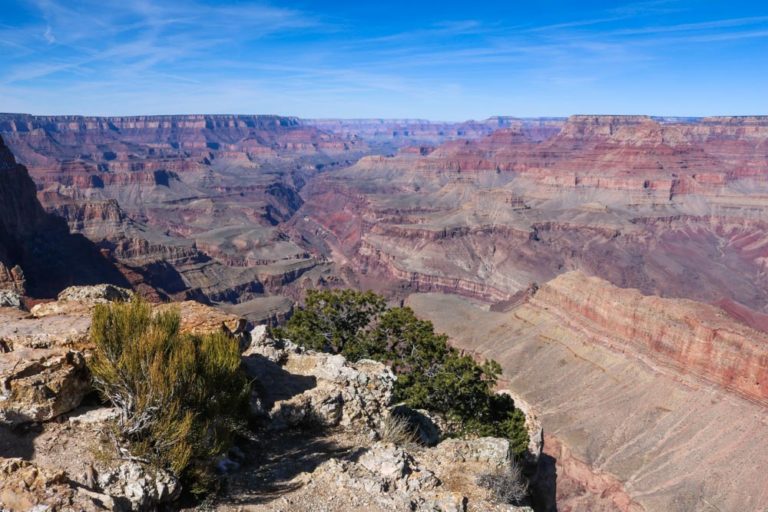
(620, 153)
(691, 338)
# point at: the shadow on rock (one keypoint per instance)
(544, 485)
(18, 441)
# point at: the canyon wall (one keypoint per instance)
(38, 255)
(190, 206)
(648, 403)
(672, 207)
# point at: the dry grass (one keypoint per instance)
(398, 431)
(507, 485)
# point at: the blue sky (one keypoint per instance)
(440, 60)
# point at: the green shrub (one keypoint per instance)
(430, 374)
(181, 398)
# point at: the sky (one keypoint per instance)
(439, 60)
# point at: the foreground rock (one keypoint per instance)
(444, 478)
(19, 329)
(300, 387)
(24, 486)
(326, 443)
(40, 384)
(82, 299)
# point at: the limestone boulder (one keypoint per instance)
(40, 384)
(19, 329)
(81, 300)
(10, 299)
(138, 486)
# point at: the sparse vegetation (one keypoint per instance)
(181, 398)
(507, 485)
(431, 374)
(398, 430)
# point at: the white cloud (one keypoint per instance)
(48, 35)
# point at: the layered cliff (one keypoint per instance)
(631, 389)
(673, 207)
(687, 337)
(38, 255)
(189, 205)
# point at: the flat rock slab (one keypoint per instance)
(19, 329)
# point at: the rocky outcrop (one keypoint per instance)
(303, 387)
(40, 384)
(390, 477)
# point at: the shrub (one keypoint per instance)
(332, 321)
(398, 430)
(507, 485)
(181, 398)
(430, 374)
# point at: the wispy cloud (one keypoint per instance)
(48, 35)
(255, 55)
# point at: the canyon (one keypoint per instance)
(614, 265)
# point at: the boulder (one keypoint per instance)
(25, 486)
(18, 329)
(299, 386)
(96, 294)
(139, 486)
(10, 299)
(198, 318)
(40, 384)
(81, 300)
